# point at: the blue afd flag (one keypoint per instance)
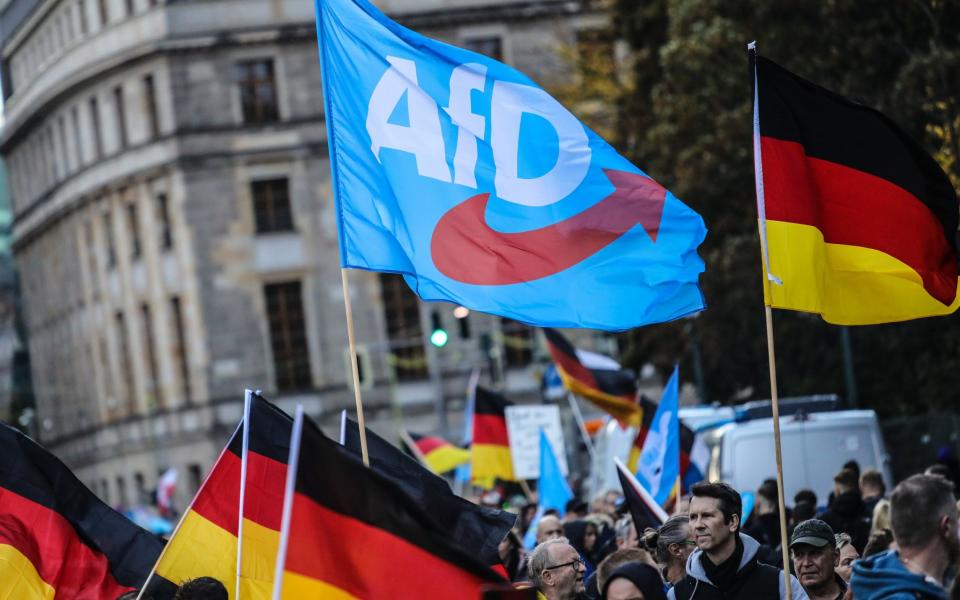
(552, 489)
(462, 174)
(659, 465)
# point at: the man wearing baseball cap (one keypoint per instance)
(815, 558)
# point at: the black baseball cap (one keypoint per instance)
(813, 532)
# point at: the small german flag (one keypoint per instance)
(205, 544)
(490, 451)
(439, 455)
(352, 533)
(860, 222)
(57, 539)
(597, 378)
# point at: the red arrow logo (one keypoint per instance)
(466, 249)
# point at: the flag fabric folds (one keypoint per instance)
(597, 378)
(646, 512)
(206, 542)
(439, 455)
(57, 539)
(490, 455)
(860, 222)
(530, 215)
(658, 469)
(350, 532)
(553, 492)
(694, 453)
(478, 530)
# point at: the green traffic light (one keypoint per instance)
(439, 338)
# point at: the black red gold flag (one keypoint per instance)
(858, 220)
(57, 539)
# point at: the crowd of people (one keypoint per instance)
(862, 544)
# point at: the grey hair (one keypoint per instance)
(540, 557)
(842, 539)
(671, 532)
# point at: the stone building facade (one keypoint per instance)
(174, 230)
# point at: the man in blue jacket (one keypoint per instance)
(924, 519)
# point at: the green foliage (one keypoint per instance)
(686, 120)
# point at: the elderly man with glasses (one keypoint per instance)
(557, 570)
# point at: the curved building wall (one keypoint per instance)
(177, 241)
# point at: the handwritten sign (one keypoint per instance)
(523, 429)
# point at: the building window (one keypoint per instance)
(402, 311)
(92, 259)
(258, 91)
(95, 123)
(195, 476)
(104, 14)
(77, 139)
(288, 337)
(129, 6)
(150, 106)
(126, 363)
(62, 138)
(108, 236)
(180, 347)
(491, 46)
(517, 343)
(82, 9)
(153, 389)
(121, 491)
(134, 226)
(121, 116)
(271, 205)
(163, 220)
(143, 497)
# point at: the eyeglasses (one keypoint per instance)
(567, 564)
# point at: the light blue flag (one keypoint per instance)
(659, 465)
(552, 489)
(481, 189)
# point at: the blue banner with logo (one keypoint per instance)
(463, 175)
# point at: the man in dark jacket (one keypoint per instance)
(847, 512)
(725, 566)
(924, 519)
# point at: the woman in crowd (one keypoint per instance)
(671, 544)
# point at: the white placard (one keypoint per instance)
(523, 429)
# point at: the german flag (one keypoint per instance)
(860, 222)
(57, 539)
(490, 452)
(597, 378)
(439, 455)
(478, 530)
(205, 543)
(351, 533)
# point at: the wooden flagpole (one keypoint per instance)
(293, 461)
(153, 571)
(247, 398)
(771, 354)
(581, 425)
(354, 367)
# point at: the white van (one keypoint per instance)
(815, 447)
